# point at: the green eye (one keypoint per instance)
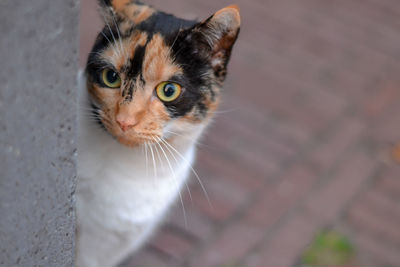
(168, 91)
(111, 78)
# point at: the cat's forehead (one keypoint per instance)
(137, 32)
(163, 23)
(134, 16)
(142, 55)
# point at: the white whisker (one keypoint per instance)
(112, 34)
(177, 162)
(147, 161)
(162, 166)
(154, 162)
(189, 138)
(175, 180)
(116, 51)
(119, 35)
(224, 111)
(173, 43)
(190, 166)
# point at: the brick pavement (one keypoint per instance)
(303, 140)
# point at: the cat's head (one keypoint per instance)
(152, 75)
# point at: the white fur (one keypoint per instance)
(120, 197)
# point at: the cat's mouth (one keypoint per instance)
(136, 139)
(131, 137)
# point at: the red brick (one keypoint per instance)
(367, 260)
(232, 244)
(384, 253)
(275, 202)
(332, 149)
(284, 248)
(386, 128)
(197, 225)
(222, 167)
(218, 209)
(292, 16)
(172, 244)
(330, 199)
(382, 202)
(227, 191)
(254, 125)
(307, 108)
(380, 100)
(390, 183)
(225, 249)
(148, 258)
(332, 105)
(294, 135)
(362, 216)
(368, 21)
(285, 106)
(339, 23)
(237, 147)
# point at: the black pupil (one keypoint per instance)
(112, 76)
(169, 90)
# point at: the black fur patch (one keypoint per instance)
(103, 40)
(136, 63)
(187, 100)
(195, 68)
(105, 2)
(162, 23)
(134, 71)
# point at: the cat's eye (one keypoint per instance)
(110, 78)
(168, 91)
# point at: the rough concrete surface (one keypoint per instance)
(38, 59)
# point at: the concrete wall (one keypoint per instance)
(38, 67)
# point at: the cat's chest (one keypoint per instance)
(119, 187)
(115, 200)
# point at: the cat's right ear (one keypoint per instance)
(216, 36)
(110, 8)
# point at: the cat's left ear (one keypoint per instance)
(130, 10)
(216, 37)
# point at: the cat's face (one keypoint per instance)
(152, 75)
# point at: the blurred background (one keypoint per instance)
(302, 161)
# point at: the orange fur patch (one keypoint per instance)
(139, 39)
(148, 117)
(104, 96)
(158, 64)
(137, 13)
(119, 5)
(119, 53)
(396, 153)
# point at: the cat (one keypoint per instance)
(150, 88)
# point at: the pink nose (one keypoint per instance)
(125, 124)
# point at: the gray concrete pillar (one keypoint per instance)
(38, 96)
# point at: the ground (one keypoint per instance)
(305, 139)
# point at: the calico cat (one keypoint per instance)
(151, 86)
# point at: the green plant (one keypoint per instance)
(329, 248)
